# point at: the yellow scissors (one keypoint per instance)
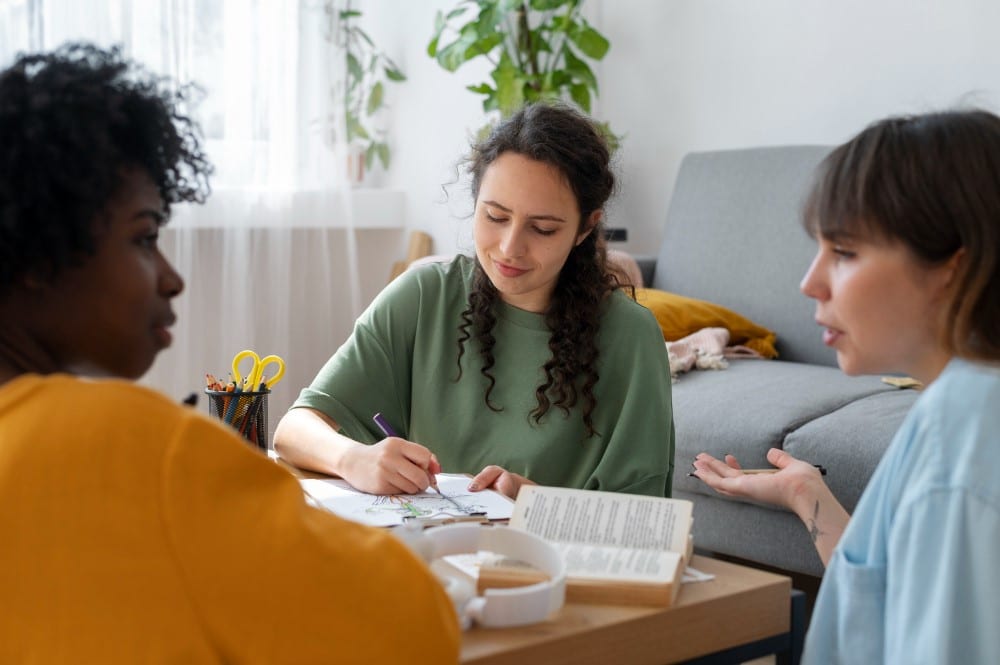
(253, 379)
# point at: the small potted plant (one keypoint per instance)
(538, 49)
(367, 71)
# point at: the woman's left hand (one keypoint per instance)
(497, 478)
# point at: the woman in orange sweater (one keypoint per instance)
(134, 529)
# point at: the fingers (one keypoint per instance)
(508, 485)
(500, 480)
(402, 467)
(486, 478)
(779, 458)
(723, 469)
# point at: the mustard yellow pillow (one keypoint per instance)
(680, 316)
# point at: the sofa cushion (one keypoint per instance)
(850, 441)
(680, 316)
(733, 236)
(754, 405)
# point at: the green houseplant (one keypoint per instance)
(539, 49)
(367, 71)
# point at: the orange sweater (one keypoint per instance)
(136, 530)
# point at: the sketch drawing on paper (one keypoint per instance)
(455, 500)
(425, 505)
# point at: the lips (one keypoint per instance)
(509, 271)
(161, 332)
(830, 335)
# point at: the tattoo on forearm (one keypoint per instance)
(814, 531)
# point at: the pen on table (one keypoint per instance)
(386, 428)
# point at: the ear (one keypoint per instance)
(592, 221)
(949, 269)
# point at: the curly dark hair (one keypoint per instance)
(564, 138)
(71, 123)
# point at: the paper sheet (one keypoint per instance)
(337, 496)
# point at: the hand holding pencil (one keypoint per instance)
(391, 466)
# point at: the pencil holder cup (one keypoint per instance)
(245, 412)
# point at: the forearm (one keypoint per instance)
(308, 439)
(824, 518)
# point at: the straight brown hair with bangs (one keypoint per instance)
(932, 183)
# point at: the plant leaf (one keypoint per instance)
(369, 156)
(548, 5)
(453, 55)
(383, 154)
(579, 69)
(375, 98)
(504, 6)
(481, 89)
(580, 94)
(394, 74)
(510, 86)
(590, 42)
(355, 130)
(354, 67)
(364, 35)
(483, 46)
(614, 140)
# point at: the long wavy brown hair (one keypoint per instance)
(561, 137)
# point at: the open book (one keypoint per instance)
(621, 549)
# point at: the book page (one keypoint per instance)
(604, 562)
(594, 562)
(603, 518)
(337, 496)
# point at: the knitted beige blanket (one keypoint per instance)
(705, 349)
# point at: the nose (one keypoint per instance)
(170, 282)
(812, 284)
(512, 243)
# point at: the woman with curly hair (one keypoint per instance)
(134, 529)
(526, 363)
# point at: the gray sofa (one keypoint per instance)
(733, 236)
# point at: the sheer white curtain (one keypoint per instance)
(271, 261)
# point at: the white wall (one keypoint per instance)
(687, 75)
(433, 117)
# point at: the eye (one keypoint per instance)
(148, 240)
(544, 232)
(493, 218)
(843, 254)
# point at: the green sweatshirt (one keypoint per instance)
(401, 360)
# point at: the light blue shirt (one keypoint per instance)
(916, 575)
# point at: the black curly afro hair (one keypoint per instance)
(71, 122)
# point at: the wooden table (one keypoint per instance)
(740, 606)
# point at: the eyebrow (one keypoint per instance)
(158, 216)
(550, 218)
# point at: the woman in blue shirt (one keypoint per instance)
(907, 279)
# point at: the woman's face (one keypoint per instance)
(881, 308)
(111, 314)
(526, 223)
